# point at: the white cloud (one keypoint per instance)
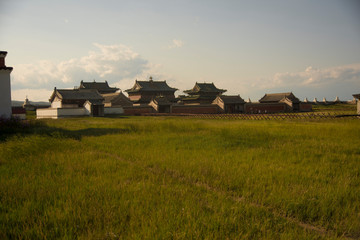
(110, 62)
(176, 44)
(314, 77)
(315, 82)
(118, 64)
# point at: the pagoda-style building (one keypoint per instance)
(292, 102)
(202, 93)
(144, 91)
(101, 87)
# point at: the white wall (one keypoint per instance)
(5, 94)
(56, 104)
(87, 107)
(46, 113)
(60, 112)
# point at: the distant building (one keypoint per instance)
(144, 91)
(230, 104)
(72, 103)
(278, 102)
(292, 102)
(202, 93)
(28, 106)
(117, 99)
(357, 96)
(101, 87)
(115, 103)
(161, 104)
(5, 87)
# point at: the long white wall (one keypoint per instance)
(60, 112)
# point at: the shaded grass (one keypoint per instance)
(174, 178)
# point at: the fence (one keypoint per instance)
(280, 116)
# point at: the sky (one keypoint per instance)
(310, 48)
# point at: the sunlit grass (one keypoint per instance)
(174, 178)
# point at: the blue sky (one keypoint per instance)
(311, 48)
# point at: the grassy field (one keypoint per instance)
(177, 178)
(339, 107)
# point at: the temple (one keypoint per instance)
(144, 91)
(202, 93)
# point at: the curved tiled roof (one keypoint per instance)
(231, 99)
(160, 100)
(151, 86)
(76, 94)
(204, 87)
(277, 97)
(117, 99)
(102, 87)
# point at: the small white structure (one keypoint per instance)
(337, 100)
(5, 87)
(56, 113)
(315, 100)
(306, 100)
(324, 100)
(28, 106)
(72, 103)
(357, 96)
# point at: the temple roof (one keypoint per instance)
(76, 94)
(205, 88)
(277, 97)
(231, 99)
(356, 96)
(150, 86)
(117, 98)
(102, 87)
(161, 100)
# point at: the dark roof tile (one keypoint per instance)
(117, 99)
(204, 87)
(231, 99)
(76, 94)
(151, 86)
(102, 87)
(277, 97)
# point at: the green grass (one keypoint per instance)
(176, 178)
(339, 107)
